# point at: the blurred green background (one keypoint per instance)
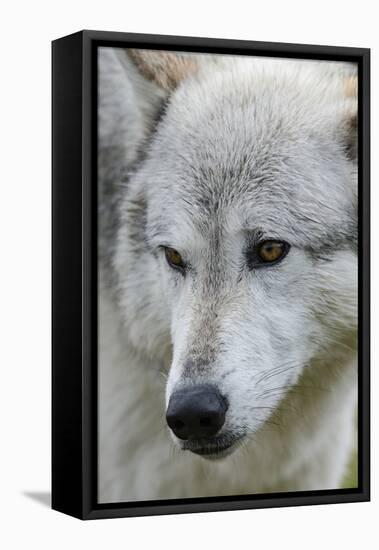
(351, 476)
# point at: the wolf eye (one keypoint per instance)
(272, 251)
(174, 259)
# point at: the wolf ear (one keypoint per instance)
(351, 116)
(166, 69)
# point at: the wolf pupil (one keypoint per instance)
(173, 258)
(271, 251)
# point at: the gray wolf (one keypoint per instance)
(228, 274)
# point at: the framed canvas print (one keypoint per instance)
(210, 274)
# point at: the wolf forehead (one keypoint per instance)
(270, 149)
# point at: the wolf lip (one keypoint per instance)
(211, 449)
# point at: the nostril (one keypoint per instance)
(178, 424)
(205, 421)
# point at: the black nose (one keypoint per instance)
(196, 412)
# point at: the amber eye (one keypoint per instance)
(174, 259)
(272, 251)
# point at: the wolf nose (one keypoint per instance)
(197, 412)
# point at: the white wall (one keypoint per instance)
(27, 28)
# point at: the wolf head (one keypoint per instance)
(236, 247)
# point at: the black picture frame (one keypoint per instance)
(74, 272)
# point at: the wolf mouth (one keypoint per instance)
(212, 449)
